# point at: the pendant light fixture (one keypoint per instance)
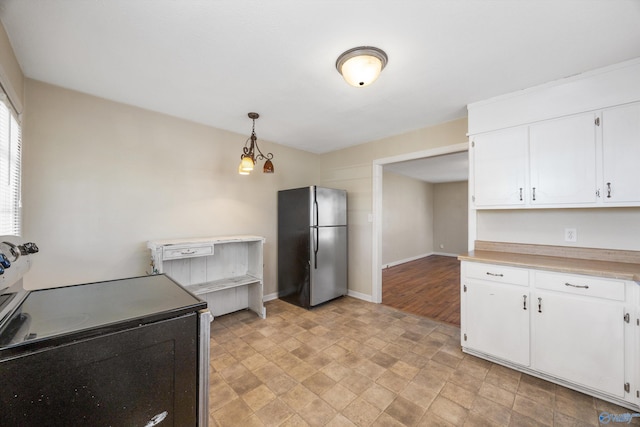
(361, 65)
(251, 152)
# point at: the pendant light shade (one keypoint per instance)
(251, 152)
(362, 65)
(246, 164)
(268, 167)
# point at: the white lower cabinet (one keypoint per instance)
(581, 340)
(579, 331)
(498, 322)
(496, 311)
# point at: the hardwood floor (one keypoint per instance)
(429, 287)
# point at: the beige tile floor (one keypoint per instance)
(350, 362)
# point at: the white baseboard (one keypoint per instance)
(446, 254)
(270, 297)
(402, 261)
(359, 295)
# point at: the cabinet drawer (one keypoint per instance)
(497, 273)
(581, 285)
(186, 251)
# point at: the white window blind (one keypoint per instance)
(10, 170)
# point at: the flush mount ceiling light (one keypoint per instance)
(251, 152)
(362, 65)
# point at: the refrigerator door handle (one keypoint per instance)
(316, 215)
(316, 245)
(316, 236)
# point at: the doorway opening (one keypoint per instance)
(422, 247)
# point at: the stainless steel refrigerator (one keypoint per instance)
(312, 245)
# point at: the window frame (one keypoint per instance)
(10, 168)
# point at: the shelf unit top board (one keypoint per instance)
(153, 244)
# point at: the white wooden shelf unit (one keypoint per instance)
(225, 271)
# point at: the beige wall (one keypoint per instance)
(407, 218)
(613, 228)
(420, 218)
(351, 169)
(101, 178)
(450, 217)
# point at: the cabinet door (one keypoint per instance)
(500, 167)
(497, 320)
(563, 161)
(621, 153)
(579, 339)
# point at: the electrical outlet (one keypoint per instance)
(570, 235)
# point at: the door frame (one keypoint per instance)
(376, 229)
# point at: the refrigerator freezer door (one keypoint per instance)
(328, 263)
(330, 207)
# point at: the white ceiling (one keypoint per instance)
(213, 61)
(446, 168)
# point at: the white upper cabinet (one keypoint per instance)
(563, 161)
(573, 143)
(547, 164)
(620, 154)
(500, 167)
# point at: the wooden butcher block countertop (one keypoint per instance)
(617, 264)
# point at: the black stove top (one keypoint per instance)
(93, 309)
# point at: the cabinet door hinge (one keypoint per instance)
(465, 337)
(637, 393)
(464, 288)
(473, 143)
(627, 318)
(597, 121)
(627, 387)
(473, 198)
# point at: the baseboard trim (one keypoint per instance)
(360, 296)
(402, 261)
(270, 297)
(446, 254)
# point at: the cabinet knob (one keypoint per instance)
(608, 190)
